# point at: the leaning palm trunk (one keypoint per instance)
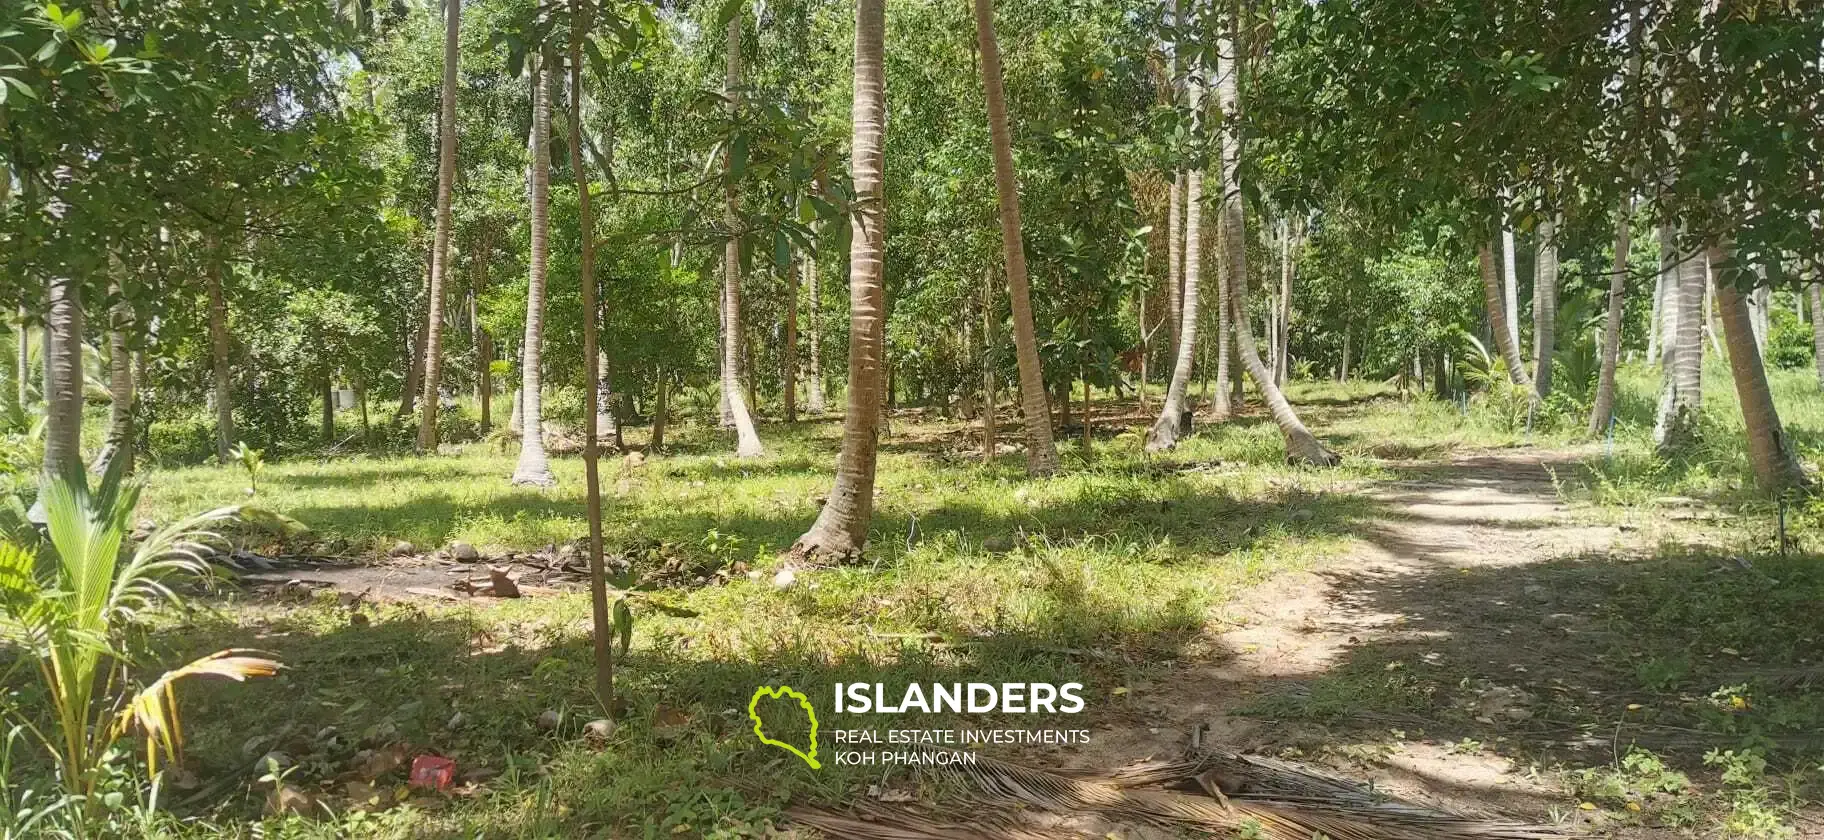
(1041, 453)
(63, 327)
(1815, 291)
(440, 239)
(1545, 307)
(534, 468)
(841, 529)
(1497, 318)
(1222, 401)
(1604, 405)
(1170, 426)
(1769, 451)
(1682, 396)
(747, 439)
(1301, 445)
(121, 394)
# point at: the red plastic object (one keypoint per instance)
(432, 771)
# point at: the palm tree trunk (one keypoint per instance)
(661, 408)
(1041, 452)
(841, 529)
(220, 393)
(1682, 397)
(1504, 335)
(1301, 445)
(1510, 278)
(1709, 319)
(23, 354)
(414, 363)
(1174, 256)
(484, 343)
(122, 397)
(1170, 426)
(1545, 307)
(63, 328)
(440, 239)
(603, 627)
(1667, 325)
(814, 388)
(1815, 291)
(747, 439)
(1604, 405)
(1282, 355)
(1769, 452)
(534, 468)
(1653, 318)
(988, 390)
(789, 358)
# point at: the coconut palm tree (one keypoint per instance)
(1815, 291)
(1769, 452)
(1301, 445)
(813, 401)
(841, 530)
(1170, 425)
(118, 443)
(1545, 307)
(63, 328)
(1505, 341)
(534, 468)
(220, 393)
(440, 239)
(747, 439)
(1682, 396)
(1041, 453)
(1604, 404)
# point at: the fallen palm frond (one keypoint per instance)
(1232, 793)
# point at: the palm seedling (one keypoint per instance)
(67, 606)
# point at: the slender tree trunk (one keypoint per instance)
(1545, 307)
(841, 529)
(1603, 408)
(516, 421)
(1682, 397)
(1760, 304)
(1670, 285)
(789, 358)
(221, 394)
(1510, 276)
(814, 388)
(23, 353)
(534, 468)
(63, 329)
(1041, 453)
(1815, 291)
(1769, 451)
(123, 398)
(1089, 425)
(440, 239)
(1301, 445)
(1170, 426)
(414, 363)
(1653, 318)
(326, 422)
(661, 409)
(1709, 319)
(484, 343)
(747, 439)
(603, 626)
(988, 390)
(1503, 333)
(1342, 372)
(1174, 255)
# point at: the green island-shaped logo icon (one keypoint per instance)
(803, 702)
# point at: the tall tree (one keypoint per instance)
(1681, 396)
(1603, 407)
(1170, 426)
(1041, 452)
(841, 529)
(221, 393)
(534, 468)
(747, 439)
(440, 239)
(1545, 306)
(592, 372)
(1815, 291)
(1770, 454)
(63, 337)
(1510, 278)
(1504, 336)
(1301, 445)
(788, 360)
(813, 401)
(123, 398)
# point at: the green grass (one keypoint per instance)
(1104, 575)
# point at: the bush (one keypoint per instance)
(188, 439)
(1788, 342)
(564, 407)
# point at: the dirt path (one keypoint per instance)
(1474, 513)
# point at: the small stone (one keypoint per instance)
(549, 719)
(784, 579)
(598, 730)
(456, 721)
(402, 549)
(464, 552)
